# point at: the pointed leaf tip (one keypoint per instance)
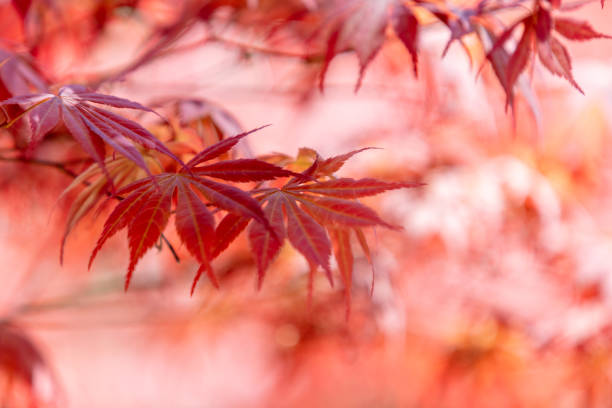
(219, 148)
(128, 278)
(406, 26)
(209, 272)
(577, 30)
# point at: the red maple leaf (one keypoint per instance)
(359, 26)
(145, 205)
(90, 125)
(315, 213)
(537, 38)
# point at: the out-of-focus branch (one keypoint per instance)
(39, 162)
(212, 38)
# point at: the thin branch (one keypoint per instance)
(165, 39)
(40, 162)
(247, 47)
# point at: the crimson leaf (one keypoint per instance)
(88, 124)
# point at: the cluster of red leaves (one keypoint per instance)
(319, 208)
(92, 127)
(362, 27)
(313, 210)
(153, 181)
(145, 210)
(317, 211)
(334, 27)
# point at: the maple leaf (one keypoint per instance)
(146, 204)
(537, 38)
(576, 30)
(90, 125)
(313, 215)
(360, 26)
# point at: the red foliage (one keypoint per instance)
(176, 160)
(537, 37)
(145, 209)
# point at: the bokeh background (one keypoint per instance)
(496, 293)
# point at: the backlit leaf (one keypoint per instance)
(264, 244)
(520, 57)
(308, 237)
(243, 170)
(195, 224)
(146, 205)
(344, 257)
(229, 198)
(89, 124)
(228, 230)
(316, 211)
(219, 148)
(333, 164)
(45, 118)
(556, 59)
(350, 188)
(145, 228)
